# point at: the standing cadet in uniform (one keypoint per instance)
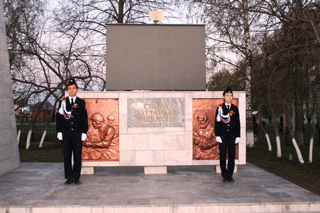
(227, 130)
(72, 127)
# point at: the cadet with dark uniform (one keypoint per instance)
(227, 130)
(72, 127)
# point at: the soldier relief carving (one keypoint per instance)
(102, 141)
(205, 146)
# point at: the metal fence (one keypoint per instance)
(285, 138)
(37, 132)
(51, 135)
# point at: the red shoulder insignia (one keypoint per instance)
(63, 98)
(220, 104)
(235, 105)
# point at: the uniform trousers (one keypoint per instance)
(72, 144)
(228, 145)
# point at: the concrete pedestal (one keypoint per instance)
(87, 170)
(155, 170)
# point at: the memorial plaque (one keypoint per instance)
(156, 112)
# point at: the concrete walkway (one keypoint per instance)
(38, 187)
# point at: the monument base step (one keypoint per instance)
(39, 187)
(203, 208)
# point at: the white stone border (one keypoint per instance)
(173, 208)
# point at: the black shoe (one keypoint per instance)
(68, 182)
(77, 182)
(231, 180)
(225, 179)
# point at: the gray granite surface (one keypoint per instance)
(41, 184)
(9, 153)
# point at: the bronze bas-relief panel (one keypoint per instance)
(102, 143)
(205, 146)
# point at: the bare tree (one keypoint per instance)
(278, 40)
(300, 15)
(294, 142)
(41, 61)
(46, 51)
(95, 15)
(230, 25)
(276, 63)
(90, 17)
(302, 18)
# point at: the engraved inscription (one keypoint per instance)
(156, 112)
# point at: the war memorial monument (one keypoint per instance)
(156, 91)
(150, 145)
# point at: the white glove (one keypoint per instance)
(83, 136)
(59, 136)
(237, 140)
(218, 139)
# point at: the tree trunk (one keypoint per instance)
(33, 123)
(311, 143)
(18, 136)
(42, 138)
(29, 138)
(120, 14)
(249, 124)
(44, 132)
(300, 158)
(298, 76)
(264, 130)
(20, 130)
(276, 131)
(298, 103)
(275, 127)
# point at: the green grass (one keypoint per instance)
(306, 175)
(50, 152)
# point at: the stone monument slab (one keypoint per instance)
(9, 152)
(162, 57)
(158, 145)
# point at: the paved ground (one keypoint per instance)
(41, 184)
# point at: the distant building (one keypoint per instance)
(22, 111)
(45, 113)
(19, 109)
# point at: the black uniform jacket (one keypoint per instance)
(79, 117)
(233, 125)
